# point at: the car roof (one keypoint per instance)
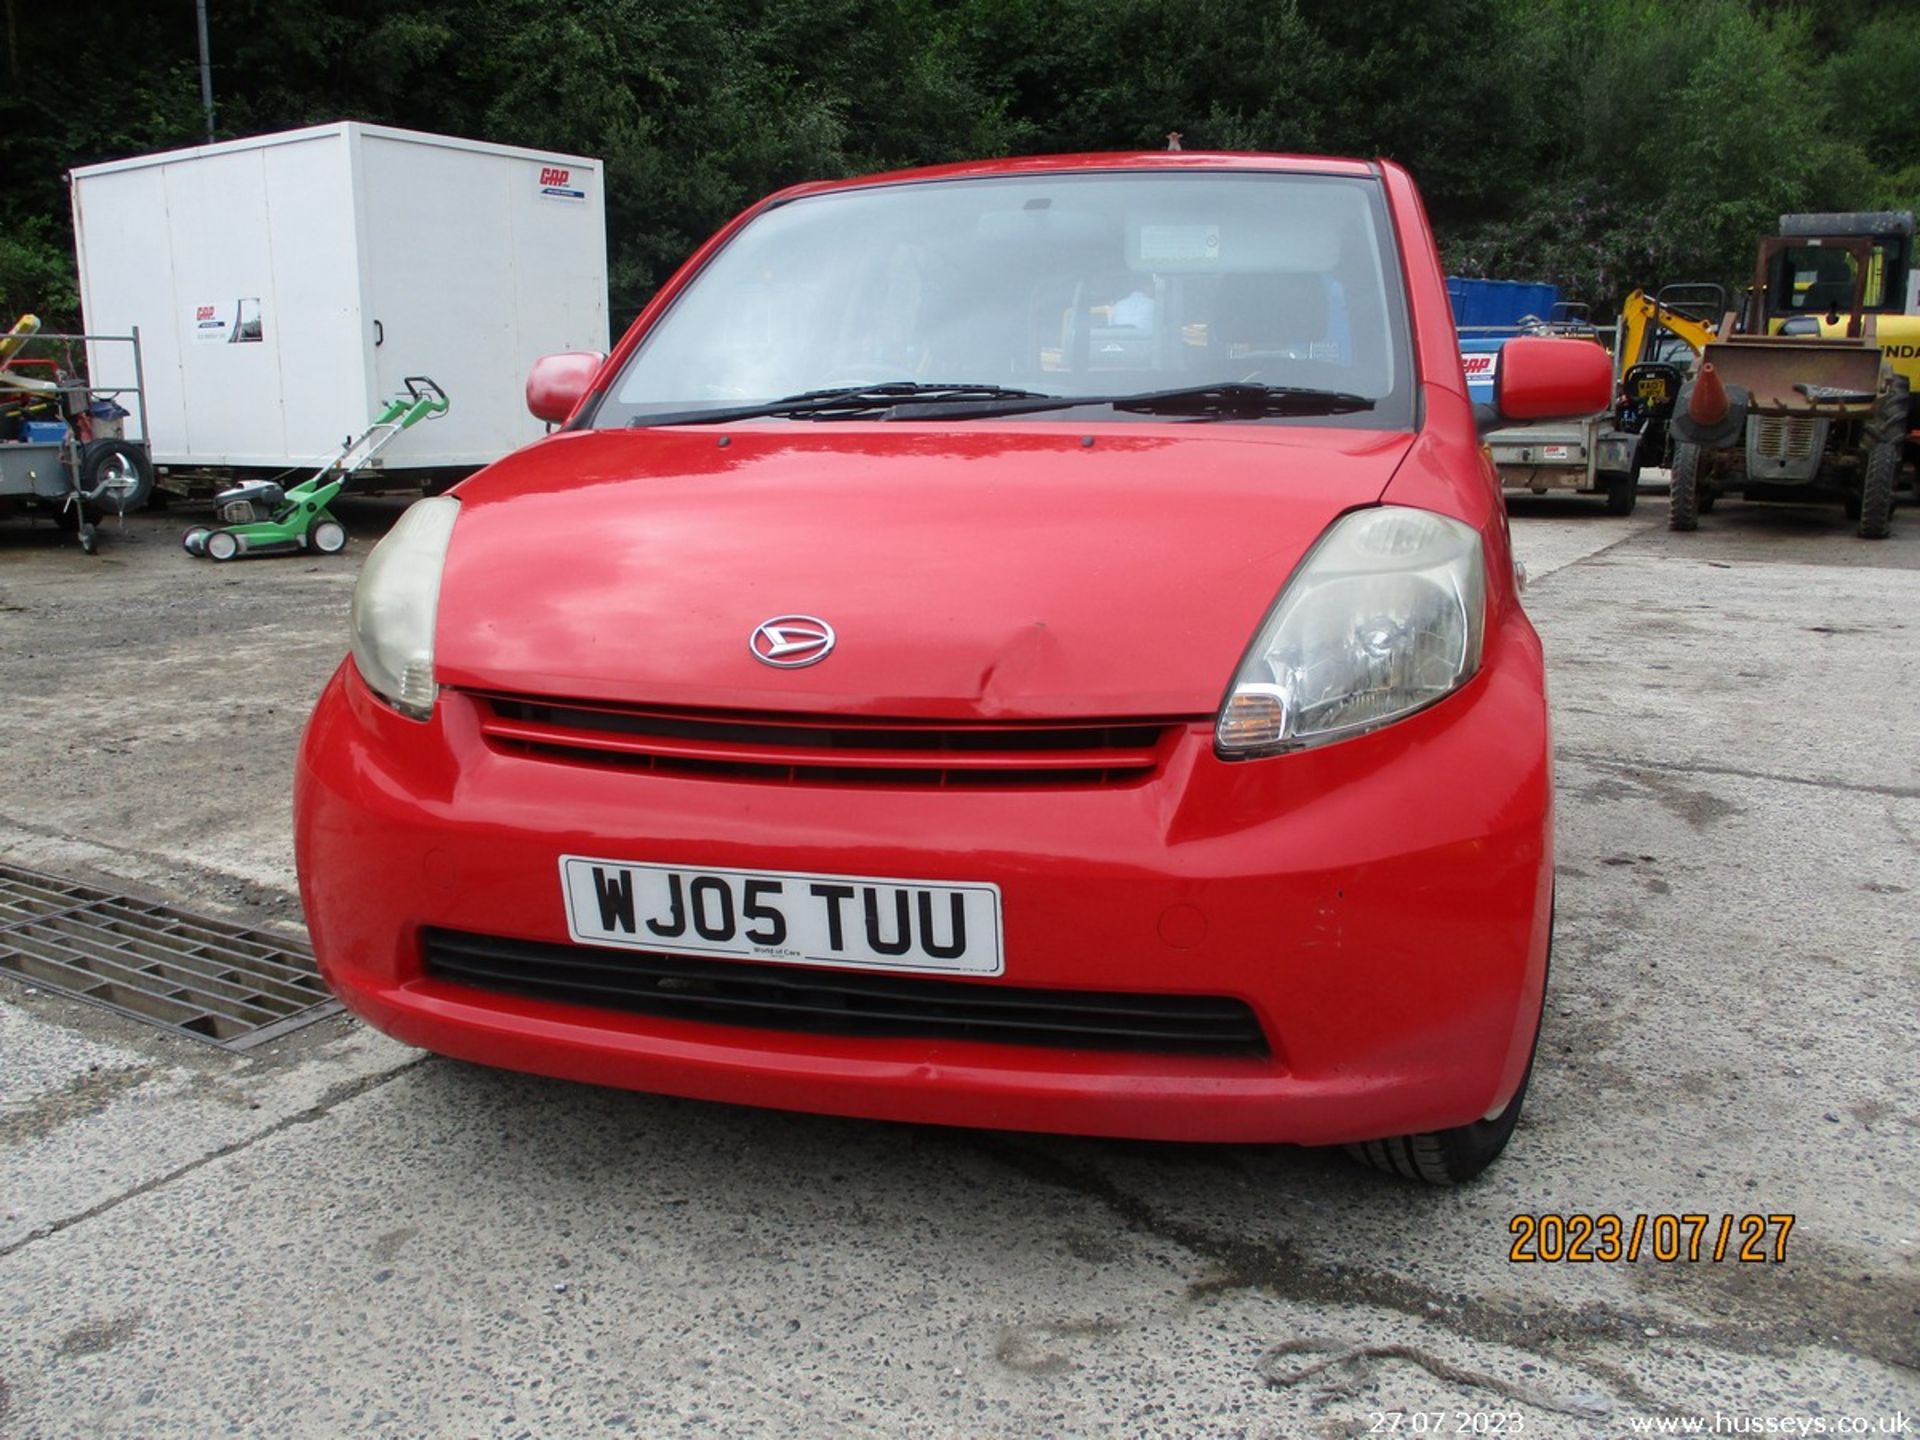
(1142, 160)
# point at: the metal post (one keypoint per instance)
(140, 392)
(206, 67)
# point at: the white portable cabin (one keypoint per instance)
(284, 287)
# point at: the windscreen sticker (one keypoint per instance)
(1480, 366)
(1171, 244)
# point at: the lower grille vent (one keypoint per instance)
(844, 1002)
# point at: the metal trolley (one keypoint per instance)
(62, 452)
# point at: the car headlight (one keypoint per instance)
(395, 604)
(1384, 617)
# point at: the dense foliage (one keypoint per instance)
(1600, 144)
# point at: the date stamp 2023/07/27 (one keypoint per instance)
(1607, 1238)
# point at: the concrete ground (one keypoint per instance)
(340, 1236)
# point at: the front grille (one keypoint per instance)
(1780, 437)
(827, 749)
(844, 1002)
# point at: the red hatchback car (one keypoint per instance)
(1028, 644)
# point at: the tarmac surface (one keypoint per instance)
(336, 1235)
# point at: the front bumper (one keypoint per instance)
(1382, 904)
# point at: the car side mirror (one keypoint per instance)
(558, 383)
(1545, 377)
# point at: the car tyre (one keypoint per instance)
(1448, 1157)
(1683, 489)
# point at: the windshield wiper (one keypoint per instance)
(1232, 399)
(842, 401)
(919, 400)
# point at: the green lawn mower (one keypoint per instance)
(262, 518)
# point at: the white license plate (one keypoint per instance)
(783, 916)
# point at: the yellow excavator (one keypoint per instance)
(1806, 393)
(1655, 346)
(1674, 325)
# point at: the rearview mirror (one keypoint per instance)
(557, 383)
(1543, 377)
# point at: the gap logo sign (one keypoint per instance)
(1480, 368)
(557, 182)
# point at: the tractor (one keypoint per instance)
(1805, 394)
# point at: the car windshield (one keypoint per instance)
(1103, 284)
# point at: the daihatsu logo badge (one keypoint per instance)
(791, 641)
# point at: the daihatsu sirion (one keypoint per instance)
(1028, 644)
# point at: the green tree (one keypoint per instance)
(1597, 143)
(1663, 142)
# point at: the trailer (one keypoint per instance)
(1594, 456)
(63, 452)
(284, 285)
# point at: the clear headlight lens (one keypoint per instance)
(395, 604)
(1384, 617)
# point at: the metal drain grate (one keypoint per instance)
(203, 977)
